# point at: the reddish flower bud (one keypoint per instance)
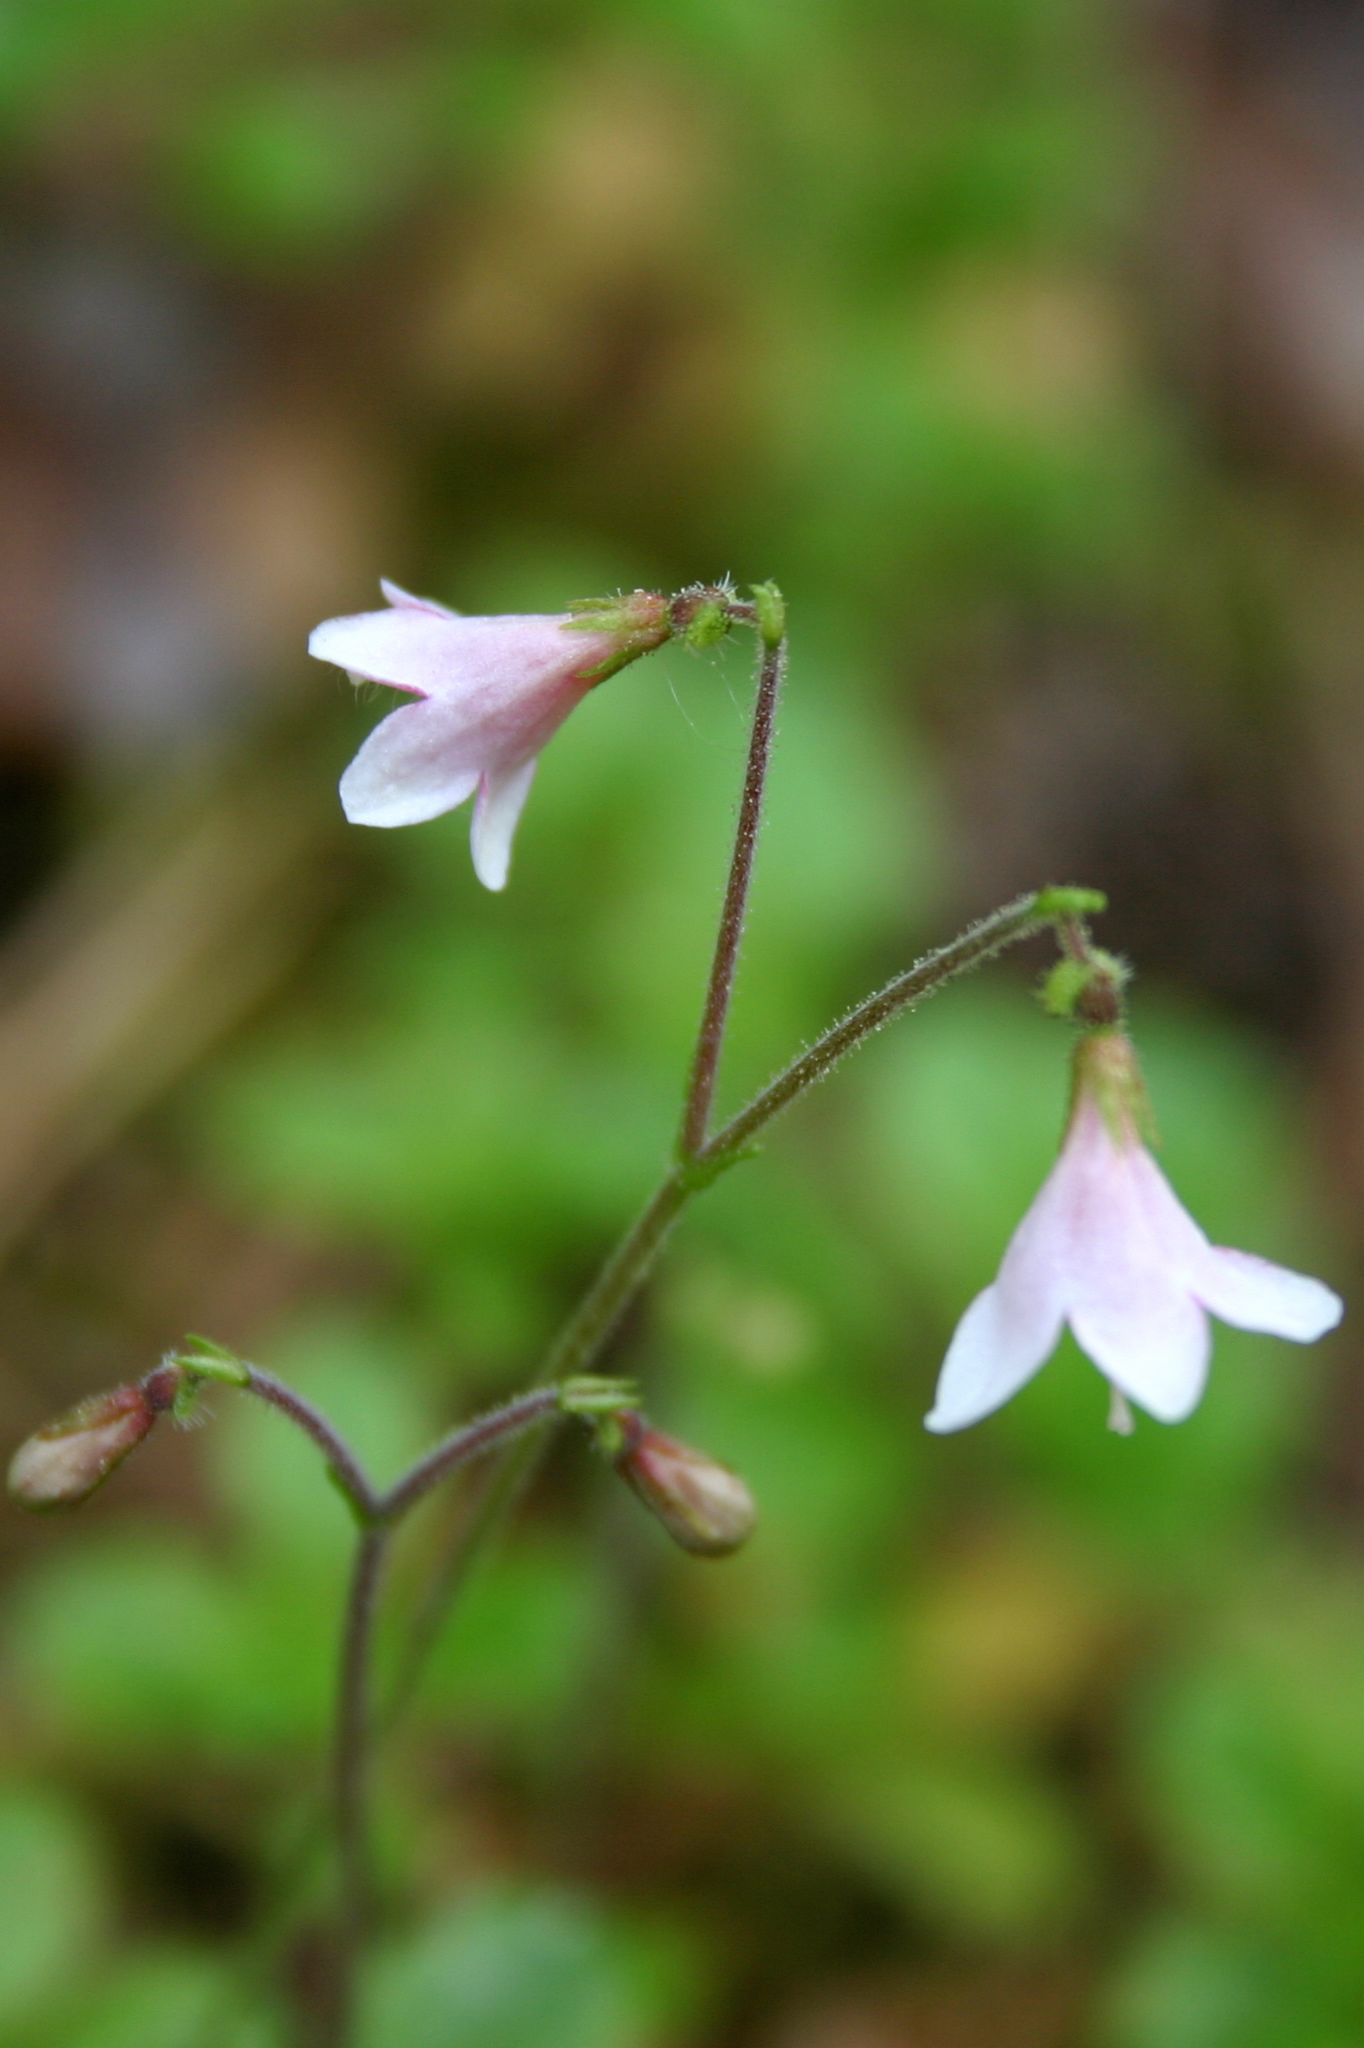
(703, 1505)
(59, 1466)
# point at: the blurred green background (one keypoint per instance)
(1022, 341)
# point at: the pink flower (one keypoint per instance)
(1107, 1248)
(492, 691)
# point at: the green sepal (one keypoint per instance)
(586, 1394)
(186, 1403)
(1063, 987)
(1068, 902)
(1107, 1068)
(209, 1360)
(608, 1436)
(708, 624)
(771, 609)
(640, 622)
(1089, 991)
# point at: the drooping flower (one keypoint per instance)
(492, 691)
(1108, 1248)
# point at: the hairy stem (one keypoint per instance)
(580, 1343)
(476, 1529)
(342, 1462)
(587, 1330)
(350, 1785)
(471, 1440)
(705, 1066)
(1022, 919)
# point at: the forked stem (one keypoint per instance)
(377, 1514)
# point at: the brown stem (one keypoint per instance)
(705, 1066)
(463, 1546)
(579, 1344)
(597, 1314)
(471, 1440)
(345, 1467)
(351, 1775)
(1018, 920)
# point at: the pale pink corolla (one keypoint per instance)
(492, 691)
(1107, 1248)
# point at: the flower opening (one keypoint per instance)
(1108, 1249)
(491, 692)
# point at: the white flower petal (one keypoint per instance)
(1108, 1245)
(508, 672)
(997, 1347)
(501, 798)
(1253, 1294)
(404, 600)
(1149, 1338)
(411, 768)
(1175, 1240)
(1131, 1258)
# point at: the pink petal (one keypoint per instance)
(998, 1345)
(1132, 1255)
(1011, 1329)
(501, 799)
(413, 766)
(1149, 1338)
(1253, 1294)
(502, 670)
(404, 600)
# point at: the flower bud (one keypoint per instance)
(60, 1465)
(704, 1506)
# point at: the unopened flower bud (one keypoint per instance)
(59, 1466)
(704, 1506)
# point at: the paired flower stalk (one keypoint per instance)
(1105, 1248)
(704, 1506)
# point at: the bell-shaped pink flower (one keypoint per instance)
(1107, 1248)
(492, 692)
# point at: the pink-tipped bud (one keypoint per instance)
(703, 1505)
(61, 1465)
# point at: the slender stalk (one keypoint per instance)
(471, 1440)
(705, 1066)
(345, 1467)
(350, 1784)
(590, 1326)
(980, 942)
(581, 1340)
(575, 1351)
(577, 1345)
